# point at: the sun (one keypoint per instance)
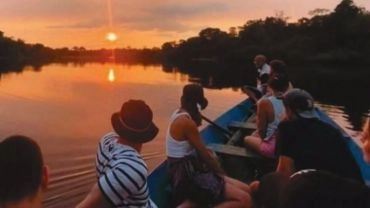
(111, 36)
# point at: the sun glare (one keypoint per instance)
(111, 76)
(111, 36)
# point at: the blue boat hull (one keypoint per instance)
(355, 149)
(159, 181)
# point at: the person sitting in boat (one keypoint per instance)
(23, 174)
(270, 111)
(310, 188)
(121, 171)
(314, 188)
(263, 70)
(201, 183)
(306, 142)
(277, 68)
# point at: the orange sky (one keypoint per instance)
(146, 23)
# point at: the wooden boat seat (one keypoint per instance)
(241, 162)
(249, 124)
(242, 128)
(234, 150)
(242, 125)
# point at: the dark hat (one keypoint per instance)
(135, 122)
(194, 92)
(300, 102)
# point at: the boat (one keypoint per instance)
(224, 136)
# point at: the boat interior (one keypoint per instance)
(237, 160)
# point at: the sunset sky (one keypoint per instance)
(140, 23)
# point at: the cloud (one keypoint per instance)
(163, 15)
(171, 17)
(91, 24)
(50, 8)
(188, 9)
(165, 25)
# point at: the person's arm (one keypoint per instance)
(285, 166)
(263, 117)
(95, 198)
(118, 184)
(252, 92)
(192, 134)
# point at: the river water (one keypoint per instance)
(67, 108)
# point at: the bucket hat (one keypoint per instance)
(135, 122)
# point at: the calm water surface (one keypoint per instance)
(67, 109)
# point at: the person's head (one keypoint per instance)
(270, 189)
(23, 175)
(134, 122)
(192, 96)
(278, 83)
(259, 60)
(299, 103)
(320, 188)
(366, 141)
(278, 67)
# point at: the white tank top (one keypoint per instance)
(175, 148)
(278, 107)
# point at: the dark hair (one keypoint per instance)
(271, 189)
(192, 95)
(191, 107)
(279, 83)
(21, 167)
(311, 188)
(278, 67)
(324, 189)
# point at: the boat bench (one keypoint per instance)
(242, 125)
(242, 163)
(234, 151)
(248, 124)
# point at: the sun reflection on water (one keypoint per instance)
(111, 75)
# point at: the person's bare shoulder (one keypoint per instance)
(263, 103)
(183, 124)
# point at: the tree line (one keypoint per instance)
(17, 52)
(338, 37)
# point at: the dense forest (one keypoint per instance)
(341, 36)
(337, 37)
(20, 53)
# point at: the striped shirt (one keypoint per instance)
(122, 174)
